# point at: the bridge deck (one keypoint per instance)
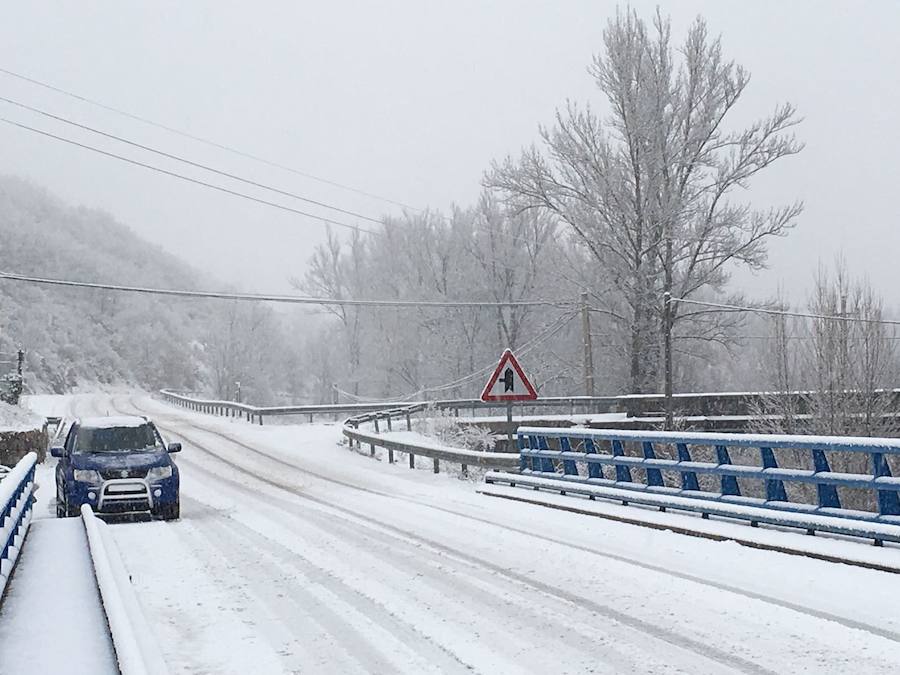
(51, 619)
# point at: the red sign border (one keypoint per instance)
(509, 357)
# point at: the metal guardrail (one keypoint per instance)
(721, 404)
(464, 457)
(387, 414)
(382, 438)
(16, 500)
(254, 413)
(571, 404)
(574, 460)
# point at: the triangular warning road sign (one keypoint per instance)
(508, 383)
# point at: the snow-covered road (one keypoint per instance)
(295, 555)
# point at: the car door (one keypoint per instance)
(63, 465)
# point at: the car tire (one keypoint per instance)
(170, 511)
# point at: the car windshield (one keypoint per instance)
(141, 438)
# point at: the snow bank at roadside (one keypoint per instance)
(136, 652)
(14, 418)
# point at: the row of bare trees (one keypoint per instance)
(841, 361)
(651, 190)
(485, 253)
(636, 200)
(640, 200)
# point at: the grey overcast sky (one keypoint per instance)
(413, 99)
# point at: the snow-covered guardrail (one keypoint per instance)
(136, 650)
(753, 488)
(252, 413)
(256, 413)
(413, 445)
(16, 500)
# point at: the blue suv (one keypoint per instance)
(118, 465)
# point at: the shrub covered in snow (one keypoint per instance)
(442, 425)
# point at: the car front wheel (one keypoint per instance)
(170, 511)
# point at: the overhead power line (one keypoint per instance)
(505, 235)
(189, 162)
(545, 335)
(205, 141)
(143, 120)
(551, 330)
(782, 312)
(180, 176)
(206, 184)
(803, 338)
(230, 149)
(290, 299)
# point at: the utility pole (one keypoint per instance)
(667, 356)
(588, 346)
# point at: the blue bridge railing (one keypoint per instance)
(16, 500)
(842, 478)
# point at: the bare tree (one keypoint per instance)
(849, 363)
(509, 249)
(852, 358)
(243, 345)
(339, 274)
(649, 190)
(778, 410)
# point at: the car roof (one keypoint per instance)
(112, 422)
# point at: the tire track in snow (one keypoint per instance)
(308, 618)
(815, 613)
(448, 662)
(483, 591)
(215, 554)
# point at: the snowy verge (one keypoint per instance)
(851, 551)
(18, 485)
(820, 523)
(136, 650)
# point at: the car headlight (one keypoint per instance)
(87, 476)
(159, 472)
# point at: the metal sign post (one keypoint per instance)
(510, 440)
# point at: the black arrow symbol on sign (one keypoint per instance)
(508, 379)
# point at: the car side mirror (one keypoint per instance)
(174, 447)
(57, 451)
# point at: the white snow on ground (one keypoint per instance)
(295, 554)
(51, 620)
(47, 405)
(847, 548)
(16, 418)
(327, 560)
